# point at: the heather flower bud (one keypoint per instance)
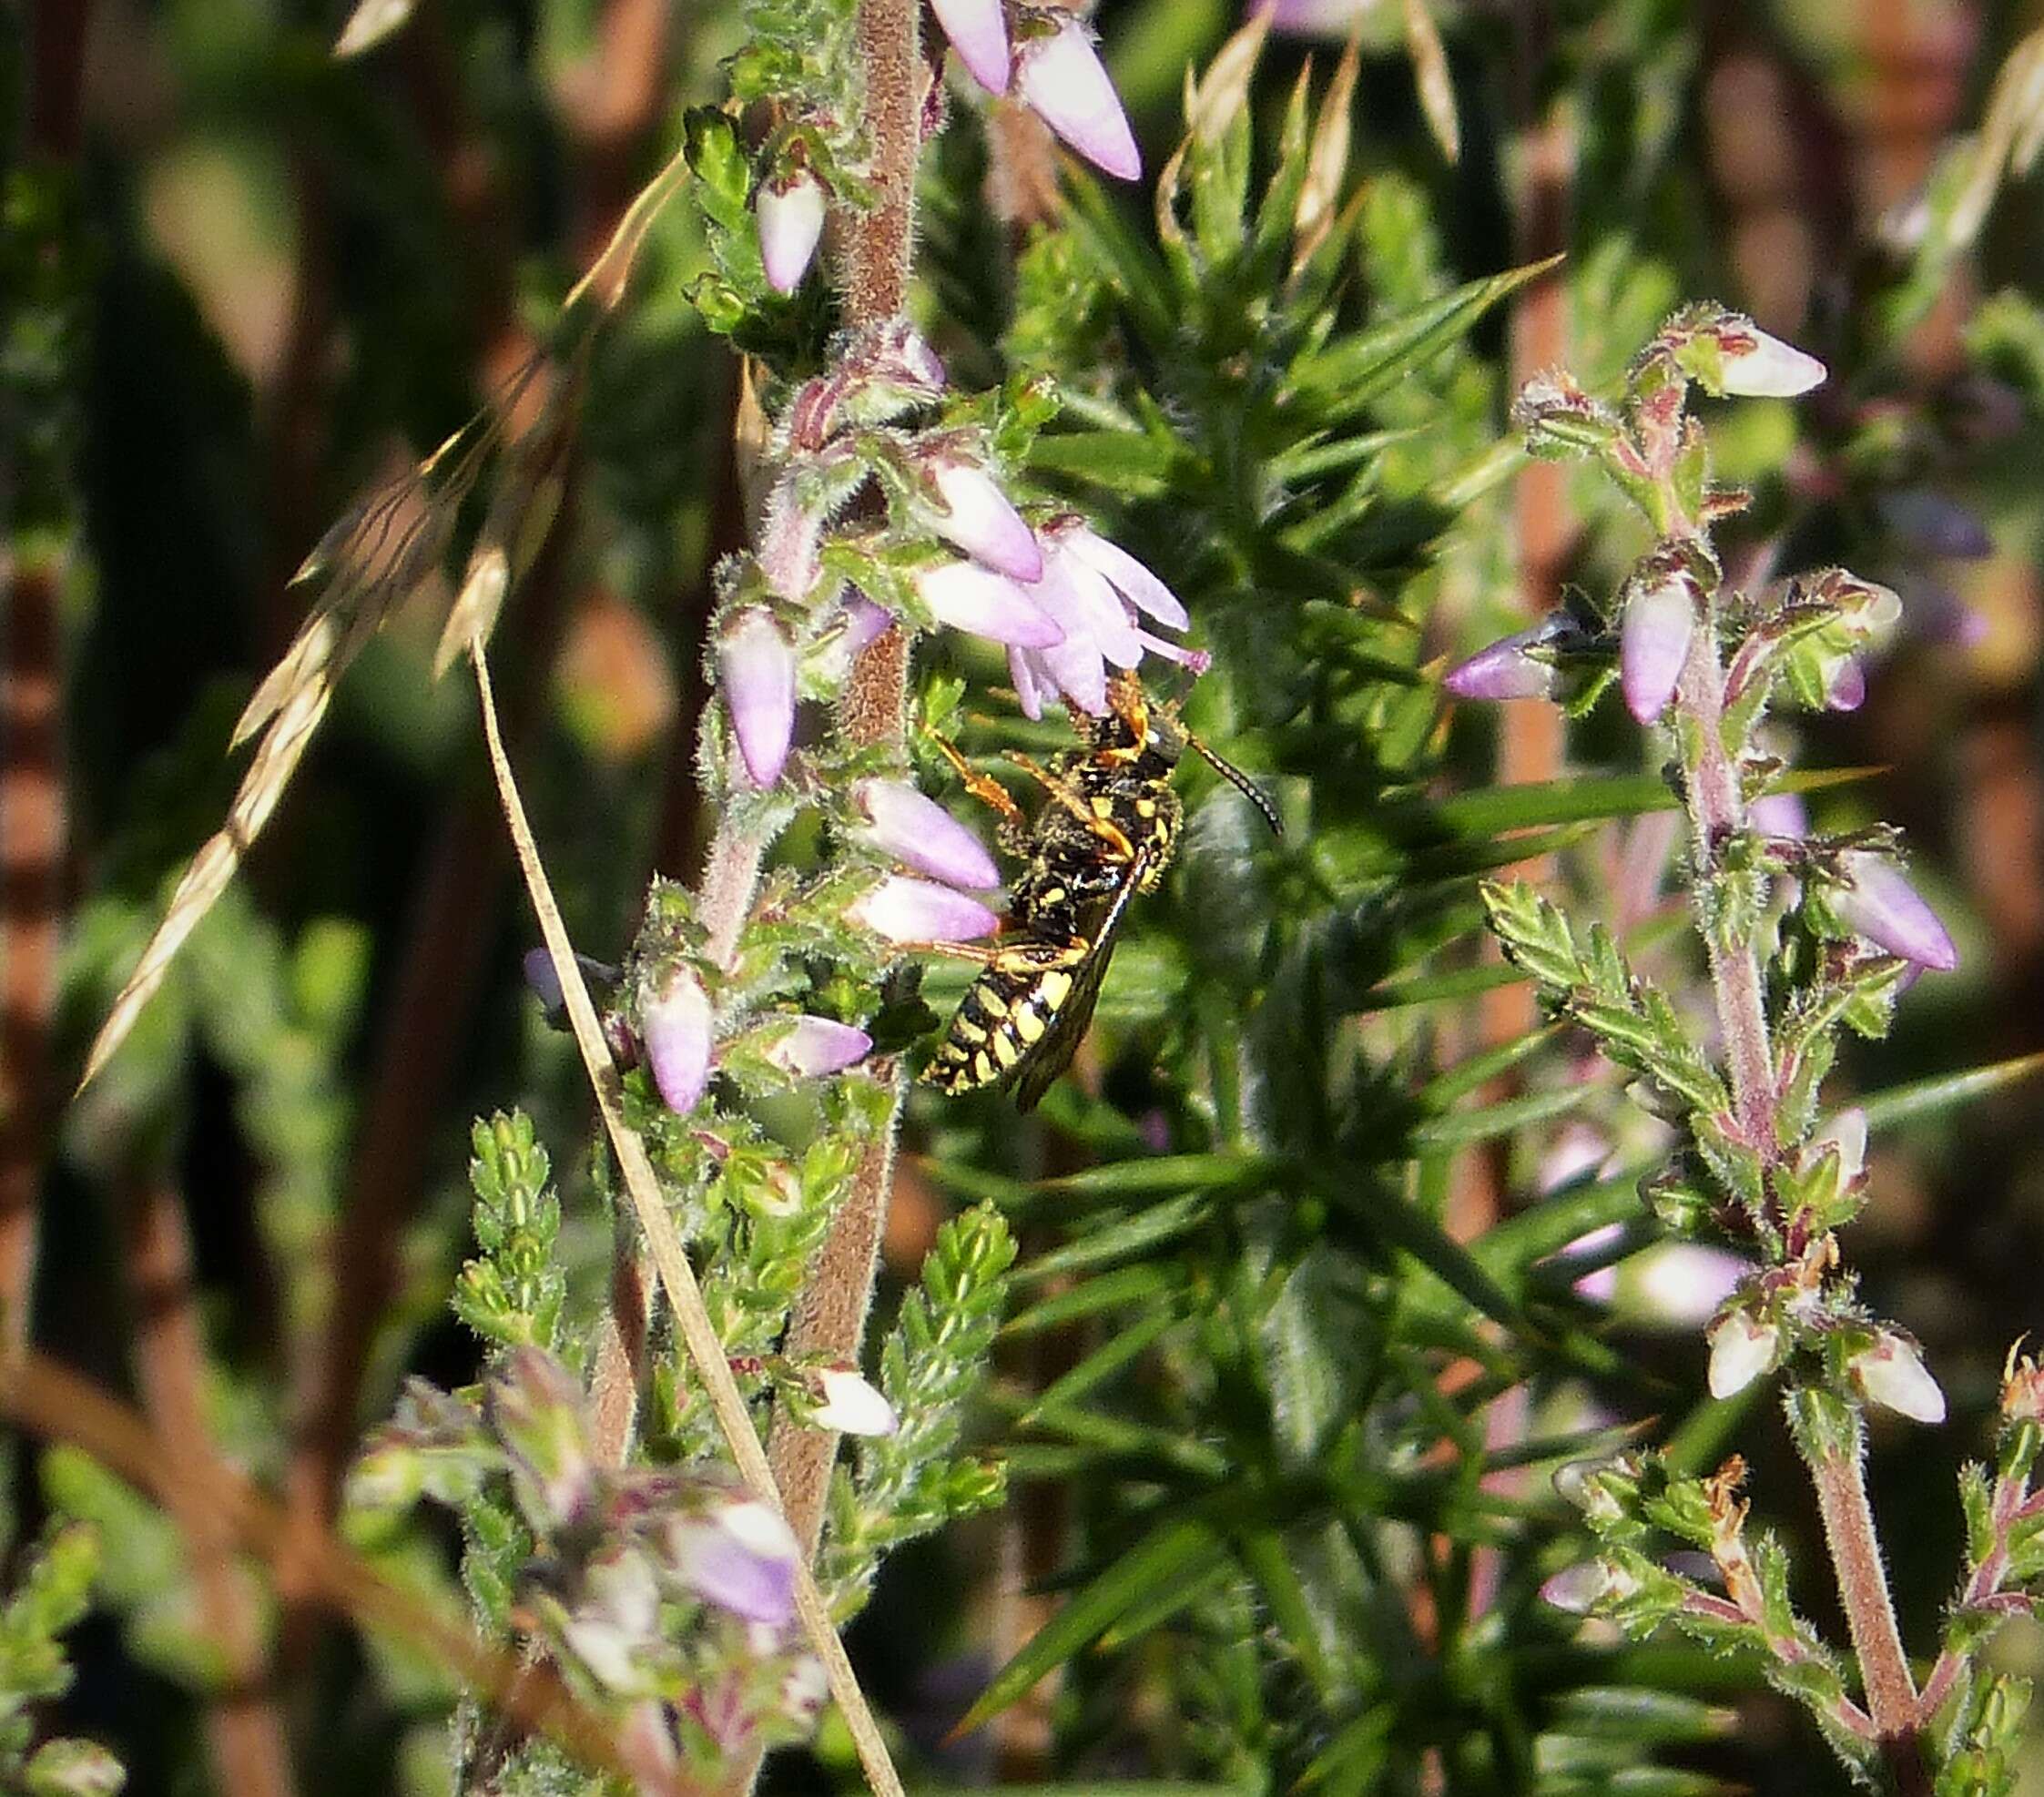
(978, 30)
(70, 1767)
(1845, 685)
(740, 1556)
(813, 1046)
(757, 670)
(1506, 671)
(903, 909)
(790, 214)
(676, 1026)
(1847, 1133)
(978, 518)
(1741, 1349)
(1881, 905)
(1759, 366)
(1653, 643)
(916, 831)
(1589, 1486)
(967, 596)
(1065, 83)
(2023, 1388)
(1780, 813)
(851, 1405)
(535, 1409)
(803, 1689)
(1579, 1588)
(1891, 1372)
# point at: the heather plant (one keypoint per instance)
(1348, 1356)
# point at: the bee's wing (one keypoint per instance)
(1053, 1054)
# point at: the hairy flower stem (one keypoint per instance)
(1856, 1553)
(1716, 813)
(1717, 809)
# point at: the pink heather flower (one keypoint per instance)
(1892, 1372)
(1882, 905)
(676, 1026)
(1845, 689)
(1780, 813)
(1065, 83)
(790, 214)
(851, 1406)
(757, 667)
(916, 831)
(1764, 366)
(1314, 18)
(1095, 591)
(978, 30)
(967, 596)
(1653, 643)
(1741, 1349)
(814, 1046)
(740, 1556)
(979, 519)
(903, 909)
(1505, 671)
(1679, 1284)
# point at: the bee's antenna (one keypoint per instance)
(1240, 781)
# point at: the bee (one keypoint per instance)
(1107, 832)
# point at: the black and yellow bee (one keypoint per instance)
(1107, 831)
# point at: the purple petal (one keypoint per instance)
(1653, 644)
(1087, 606)
(758, 665)
(1848, 690)
(790, 226)
(815, 1045)
(1066, 85)
(904, 910)
(1504, 670)
(676, 1028)
(978, 30)
(1028, 689)
(1882, 905)
(1781, 814)
(979, 520)
(916, 830)
(1135, 583)
(967, 596)
(741, 1558)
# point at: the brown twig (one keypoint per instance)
(244, 1727)
(32, 833)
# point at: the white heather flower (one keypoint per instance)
(1741, 1351)
(1579, 1588)
(813, 1046)
(1759, 366)
(1065, 83)
(1847, 1133)
(790, 214)
(1892, 1372)
(1881, 905)
(907, 824)
(757, 664)
(978, 30)
(1096, 590)
(677, 1025)
(904, 910)
(967, 596)
(617, 1619)
(851, 1406)
(1653, 643)
(978, 518)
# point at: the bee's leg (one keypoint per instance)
(989, 792)
(980, 954)
(1064, 793)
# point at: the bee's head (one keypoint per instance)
(1151, 733)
